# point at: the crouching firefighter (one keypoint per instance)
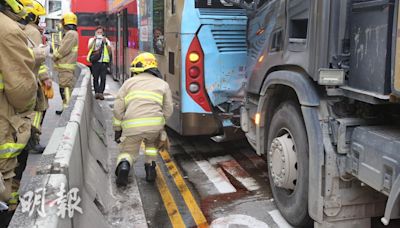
(142, 106)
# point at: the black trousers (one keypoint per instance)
(23, 156)
(99, 72)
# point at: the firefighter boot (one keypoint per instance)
(37, 149)
(122, 173)
(66, 97)
(5, 218)
(150, 171)
(62, 94)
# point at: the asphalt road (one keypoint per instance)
(199, 181)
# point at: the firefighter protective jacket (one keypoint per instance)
(66, 55)
(18, 87)
(32, 31)
(40, 70)
(143, 104)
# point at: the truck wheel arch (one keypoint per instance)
(297, 81)
(308, 98)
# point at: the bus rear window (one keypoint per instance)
(213, 4)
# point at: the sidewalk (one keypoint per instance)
(128, 209)
(123, 208)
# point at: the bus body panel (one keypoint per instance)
(183, 22)
(171, 66)
(122, 30)
(225, 54)
(225, 59)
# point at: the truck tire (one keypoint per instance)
(287, 125)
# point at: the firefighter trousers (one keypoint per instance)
(7, 166)
(67, 83)
(130, 146)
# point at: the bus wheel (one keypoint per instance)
(288, 163)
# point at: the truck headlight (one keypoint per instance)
(331, 77)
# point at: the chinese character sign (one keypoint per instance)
(67, 202)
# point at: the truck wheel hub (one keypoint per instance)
(283, 162)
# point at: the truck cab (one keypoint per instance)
(322, 105)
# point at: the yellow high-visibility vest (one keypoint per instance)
(105, 57)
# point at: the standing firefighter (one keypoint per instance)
(18, 89)
(65, 58)
(45, 83)
(141, 108)
(34, 9)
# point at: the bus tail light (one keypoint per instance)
(194, 88)
(194, 72)
(194, 57)
(195, 85)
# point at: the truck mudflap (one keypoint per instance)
(374, 159)
(392, 203)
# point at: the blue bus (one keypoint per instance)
(202, 52)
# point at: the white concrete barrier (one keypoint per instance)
(76, 158)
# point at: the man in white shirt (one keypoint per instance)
(100, 57)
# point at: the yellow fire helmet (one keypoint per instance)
(26, 3)
(37, 9)
(34, 11)
(17, 6)
(69, 19)
(143, 62)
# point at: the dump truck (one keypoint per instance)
(322, 105)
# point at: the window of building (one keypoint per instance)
(54, 6)
(173, 6)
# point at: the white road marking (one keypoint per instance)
(216, 178)
(279, 220)
(239, 220)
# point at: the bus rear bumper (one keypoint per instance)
(200, 124)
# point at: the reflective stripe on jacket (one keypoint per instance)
(10, 150)
(143, 104)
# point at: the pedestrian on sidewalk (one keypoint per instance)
(100, 57)
(142, 105)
